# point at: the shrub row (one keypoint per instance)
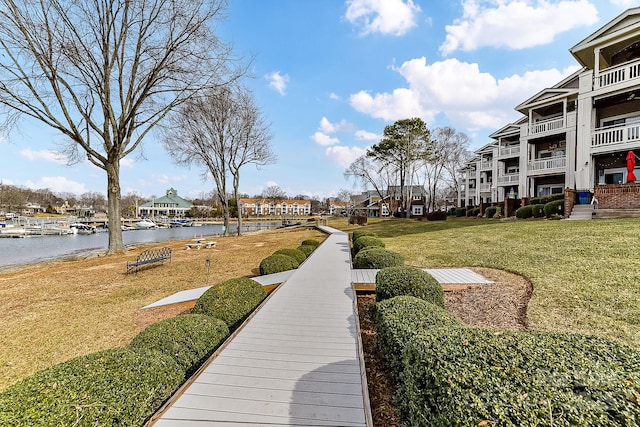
(231, 301)
(356, 234)
(543, 200)
(377, 258)
(549, 209)
(437, 216)
(400, 318)
(288, 259)
(395, 281)
(367, 242)
(470, 377)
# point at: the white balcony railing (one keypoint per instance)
(545, 126)
(549, 165)
(485, 188)
(508, 179)
(618, 74)
(612, 135)
(486, 165)
(512, 150)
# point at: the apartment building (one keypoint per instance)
(265, 207)
(574, 136)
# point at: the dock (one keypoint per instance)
(296, 362)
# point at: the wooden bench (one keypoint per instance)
(200, 244)
(149, 257)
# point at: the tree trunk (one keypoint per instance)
(113, 207)
(235, 196)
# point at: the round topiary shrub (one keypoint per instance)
(395, 281)
(293, 253)
(307, 249)
(400, 318)
(490, 211)
(460, 212)
(310, 242)
(189, 339)
(537, 211)
(554, 208)
(356, 234)
(277, 263)
(115, 387)
(377, 258)
(231, 301)
(367, 242)
(474, 212)
(524, 212)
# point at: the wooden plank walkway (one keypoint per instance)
(444, 276)
(297, 362)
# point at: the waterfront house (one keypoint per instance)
(169, 205)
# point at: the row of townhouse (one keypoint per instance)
(574, 136)
(373, 205)
(266, 207)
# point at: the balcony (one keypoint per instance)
(509, 151)
(548, 166)
(486, 165)
(485, 188)
(618, 74)
(615, 136)
(546, 126)
(509, 179)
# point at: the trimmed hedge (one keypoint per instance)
(471, 377)
(543, 200)
(437, 216)
(377, 258)
(490, 211)
(367, 242)
(474, 212)
(189, 339)
(394, 281)
(277, 263)
(231, 301)
(116, 387)
(524, 212)
(293, 253)
(310, 242)
(307, 249)
(400, 318)
(537, 211)
(460, 212)
(356, 234)
(554, 208)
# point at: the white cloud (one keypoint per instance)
(324, 139)
(470, 98)
(363, 135)
(625, 4)
(127, 163)
(334, 96)
(344, 156)
(166, 179)
(44, 155)
(278, 82)
(57, 184)
(394, 17)
(515, 24)
(327, 127)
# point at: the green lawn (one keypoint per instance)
(585, 274)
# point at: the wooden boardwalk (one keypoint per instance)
(297, 362)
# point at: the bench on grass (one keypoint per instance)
(199, 244)
(149, 257)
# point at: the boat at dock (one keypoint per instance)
(79, 228)
(146, 224)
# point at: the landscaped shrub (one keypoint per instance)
(293, 253)
(394, 281)
(367, 242)
(490, 211)
(189, 339)
(437, 216)
(277, 263)
(460, 212)
(554, 208)
(537, 211)
(400, 318)
(474, 212)
(231, 301)
(524, 212)
(358, 219)
(310, 242)
(377, 258)
(543, 200)
(307, 249)
(471, 377)
(356, 234)
(116, 387)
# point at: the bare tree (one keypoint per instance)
(274, 193)
(105, 72)
(250, 139)
(367, 171)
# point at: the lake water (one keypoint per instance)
(42, 248)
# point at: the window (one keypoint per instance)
(548, 189)
(416, 210)
(513, 169)
(385, 209)
(417, 197)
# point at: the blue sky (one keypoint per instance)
(329, 75)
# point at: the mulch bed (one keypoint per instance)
(502, 305)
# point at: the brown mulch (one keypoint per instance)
(502, 304)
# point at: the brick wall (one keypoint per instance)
(569, 200)
(621, 196)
